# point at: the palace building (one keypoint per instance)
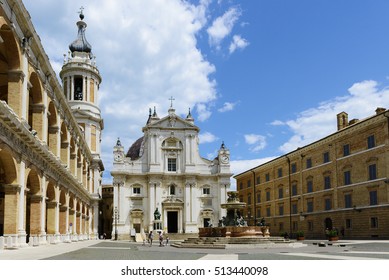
(338, 182)
(162, 183)
(50, 132)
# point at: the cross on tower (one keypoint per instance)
(81, 12)
(171, 101)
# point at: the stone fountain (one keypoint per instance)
(233, 231)
(234, 225)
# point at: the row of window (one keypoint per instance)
(347, 223)
(372, 175)
(348, 203)
(172, 190)
(371, 143)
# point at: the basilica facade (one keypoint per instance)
(50, 130)
(161, 183)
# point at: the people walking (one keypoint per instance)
(160, 239)
(167, 240)
(151, 236)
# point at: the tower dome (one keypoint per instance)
(81, 44)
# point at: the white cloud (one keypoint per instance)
(145, 56)
(277, 123)
(203, 112)
(238, 43)
(239, 166)
(222, 26)
(207, 137)
(315, 123)
(257, 142)
(227, 106)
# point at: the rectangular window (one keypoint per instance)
(249, 183)
(249, 199)
(327, 182)
(281, 210)
(372, 171)
(327, 204)
(310, 206)
(172, 164)
(280, 193)
(258, 212)
(326, 157)
(348, 201)
(279, 171)
(309, 163)
(294, 189)
(258, 180)
(295, 225)
(348, 223)
(347, 177)
(374, 222)
(206, 191)
(373, 197)
(268, 213)
(267, 195)
(294, 208)
(293, 168)
(136, 190)
(241, 185)
(267, 177)
(309, 186)
(370, 142)
(258, 197)
(346, 150)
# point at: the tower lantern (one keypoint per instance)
(81, 81)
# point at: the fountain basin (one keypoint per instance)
(232, 231)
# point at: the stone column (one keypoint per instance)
(95, 220)
(72, 88)
(11, 202)
(21, 205)
(152, 204)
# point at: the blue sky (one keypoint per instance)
(265, 77)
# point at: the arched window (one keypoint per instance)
(172, 190)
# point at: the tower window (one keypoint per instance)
(78, 89)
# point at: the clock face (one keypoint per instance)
(224, 159)
(118, 157)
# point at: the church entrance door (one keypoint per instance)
(172, 221)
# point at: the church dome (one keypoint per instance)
(81, 44)
(134, 152)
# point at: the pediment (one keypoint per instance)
(172, 121)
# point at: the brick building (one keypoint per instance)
(50, 164)
(340, 181)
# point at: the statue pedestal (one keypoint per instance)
(157, 225)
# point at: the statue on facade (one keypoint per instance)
(157, 215)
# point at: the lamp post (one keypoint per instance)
(116, 217)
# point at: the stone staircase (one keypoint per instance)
(223, 242)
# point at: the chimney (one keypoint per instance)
(380, 110)
(342, 120)
(353, 121)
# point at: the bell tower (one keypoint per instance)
(81, 80)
